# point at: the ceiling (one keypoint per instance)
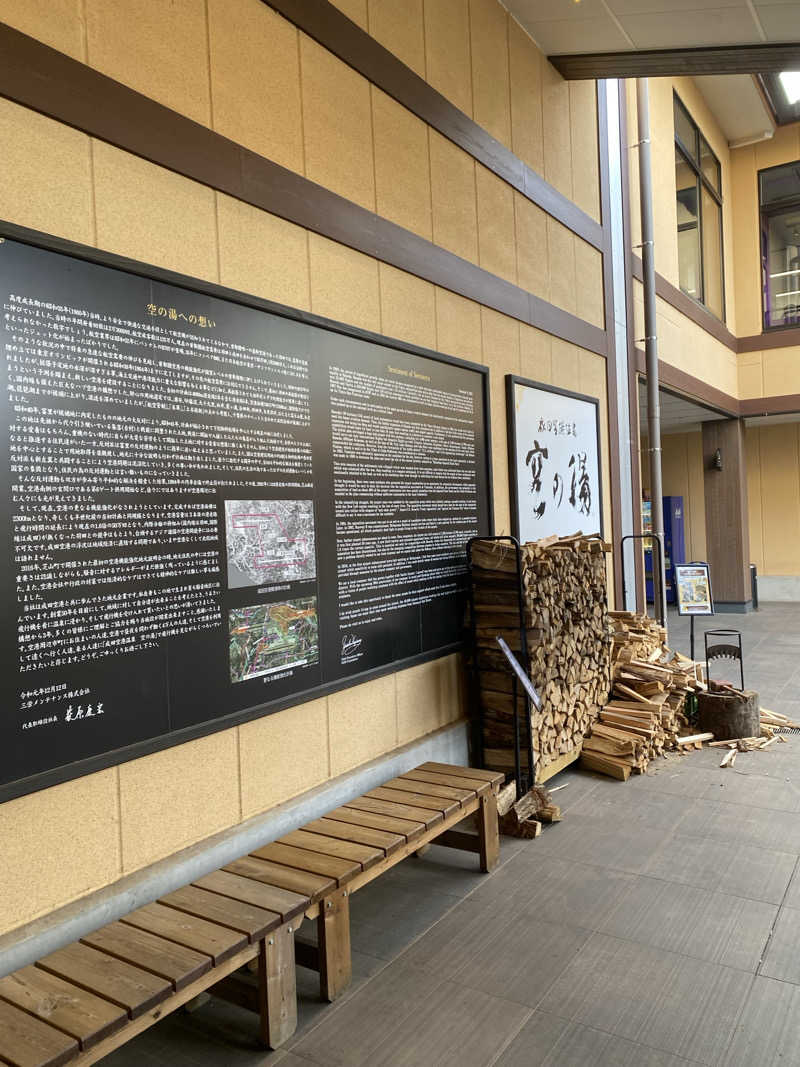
(738, 106)
(562, 27)
(678, 415)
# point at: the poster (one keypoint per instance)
(693, 589)
(212, 510)
(554, 461)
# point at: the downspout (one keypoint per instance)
(651, 346)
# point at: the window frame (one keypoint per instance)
(695, 164)
(777, 207)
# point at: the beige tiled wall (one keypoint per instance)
(773, 491)
(256, 79)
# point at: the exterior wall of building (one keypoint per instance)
(682, 474)
(773, 488)
(252, 76)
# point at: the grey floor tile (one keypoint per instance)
(778, 830)
(658, 999)
(387, 922)
(593, 841)
(782, 959)
(792, 898)
(679, 777)
(521, 961)
(747, 786)
(694, 922)
(549, 1041)
(741, 870)
(634, 803)
(767, 1033)
(405, 1016)
(554, 889)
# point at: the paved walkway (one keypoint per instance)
(658, 925)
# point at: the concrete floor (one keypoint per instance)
(657, 925)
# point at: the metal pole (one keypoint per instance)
(651, 344)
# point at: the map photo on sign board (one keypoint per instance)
(554, 464)
(266, 638)
(269, 541)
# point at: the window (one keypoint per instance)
(779, 197)
(698, 193)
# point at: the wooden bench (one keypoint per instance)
(83, 1001)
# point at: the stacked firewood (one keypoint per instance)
(644, 716)
(563, 598)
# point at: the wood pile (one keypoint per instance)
(644, 716)
(567, 633)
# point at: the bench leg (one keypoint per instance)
(277, 987)
(488, 832)
(333, 936)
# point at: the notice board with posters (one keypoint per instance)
(554, 464)
(212, 507)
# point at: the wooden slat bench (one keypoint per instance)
(81, 1002)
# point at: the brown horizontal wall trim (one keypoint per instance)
(334, 31)
(706, 395)
(759, 342)
(771, 405)
(690, 308)
(38, 77)
(659, 62)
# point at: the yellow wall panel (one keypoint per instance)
(780, 497)
(337, 125)
(490, 84)
(447, 51)
(682, 472)
(744, 240)
(565, 363)
(525, 73)
(781, 371)
(402, 165)
(458, 326)
(533, 272)
(46, 181)
(782, 147)
(455, 225)
(362, 723)
(408, 307)
(283, 755)
(57, 845)
(356, 10)
(255, 80)
(428, 697)
(556, 130)
(151, 214)
(174, 798)
(752, 443)
(344, 284)
(160, 50)
(400, 28)
(589, 283)
(497, 250)
(751, 375)
(585, 153)
(561, 266)
(58, 23)
(501, 353)
(536, 354)
(262, 254)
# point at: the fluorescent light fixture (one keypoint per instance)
(790, 80)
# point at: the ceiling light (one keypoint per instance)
(790, 80)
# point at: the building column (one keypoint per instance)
(727, 523)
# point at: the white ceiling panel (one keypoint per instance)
(581, 26)
(737, 105)
(781, 22)
(717, 26)
(578, 35)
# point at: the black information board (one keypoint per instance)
(212, 510)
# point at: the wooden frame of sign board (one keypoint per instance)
(512, 381)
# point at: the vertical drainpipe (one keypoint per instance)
(651, 345)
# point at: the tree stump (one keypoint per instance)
(729, 715)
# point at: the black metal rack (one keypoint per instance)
(524, 782)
